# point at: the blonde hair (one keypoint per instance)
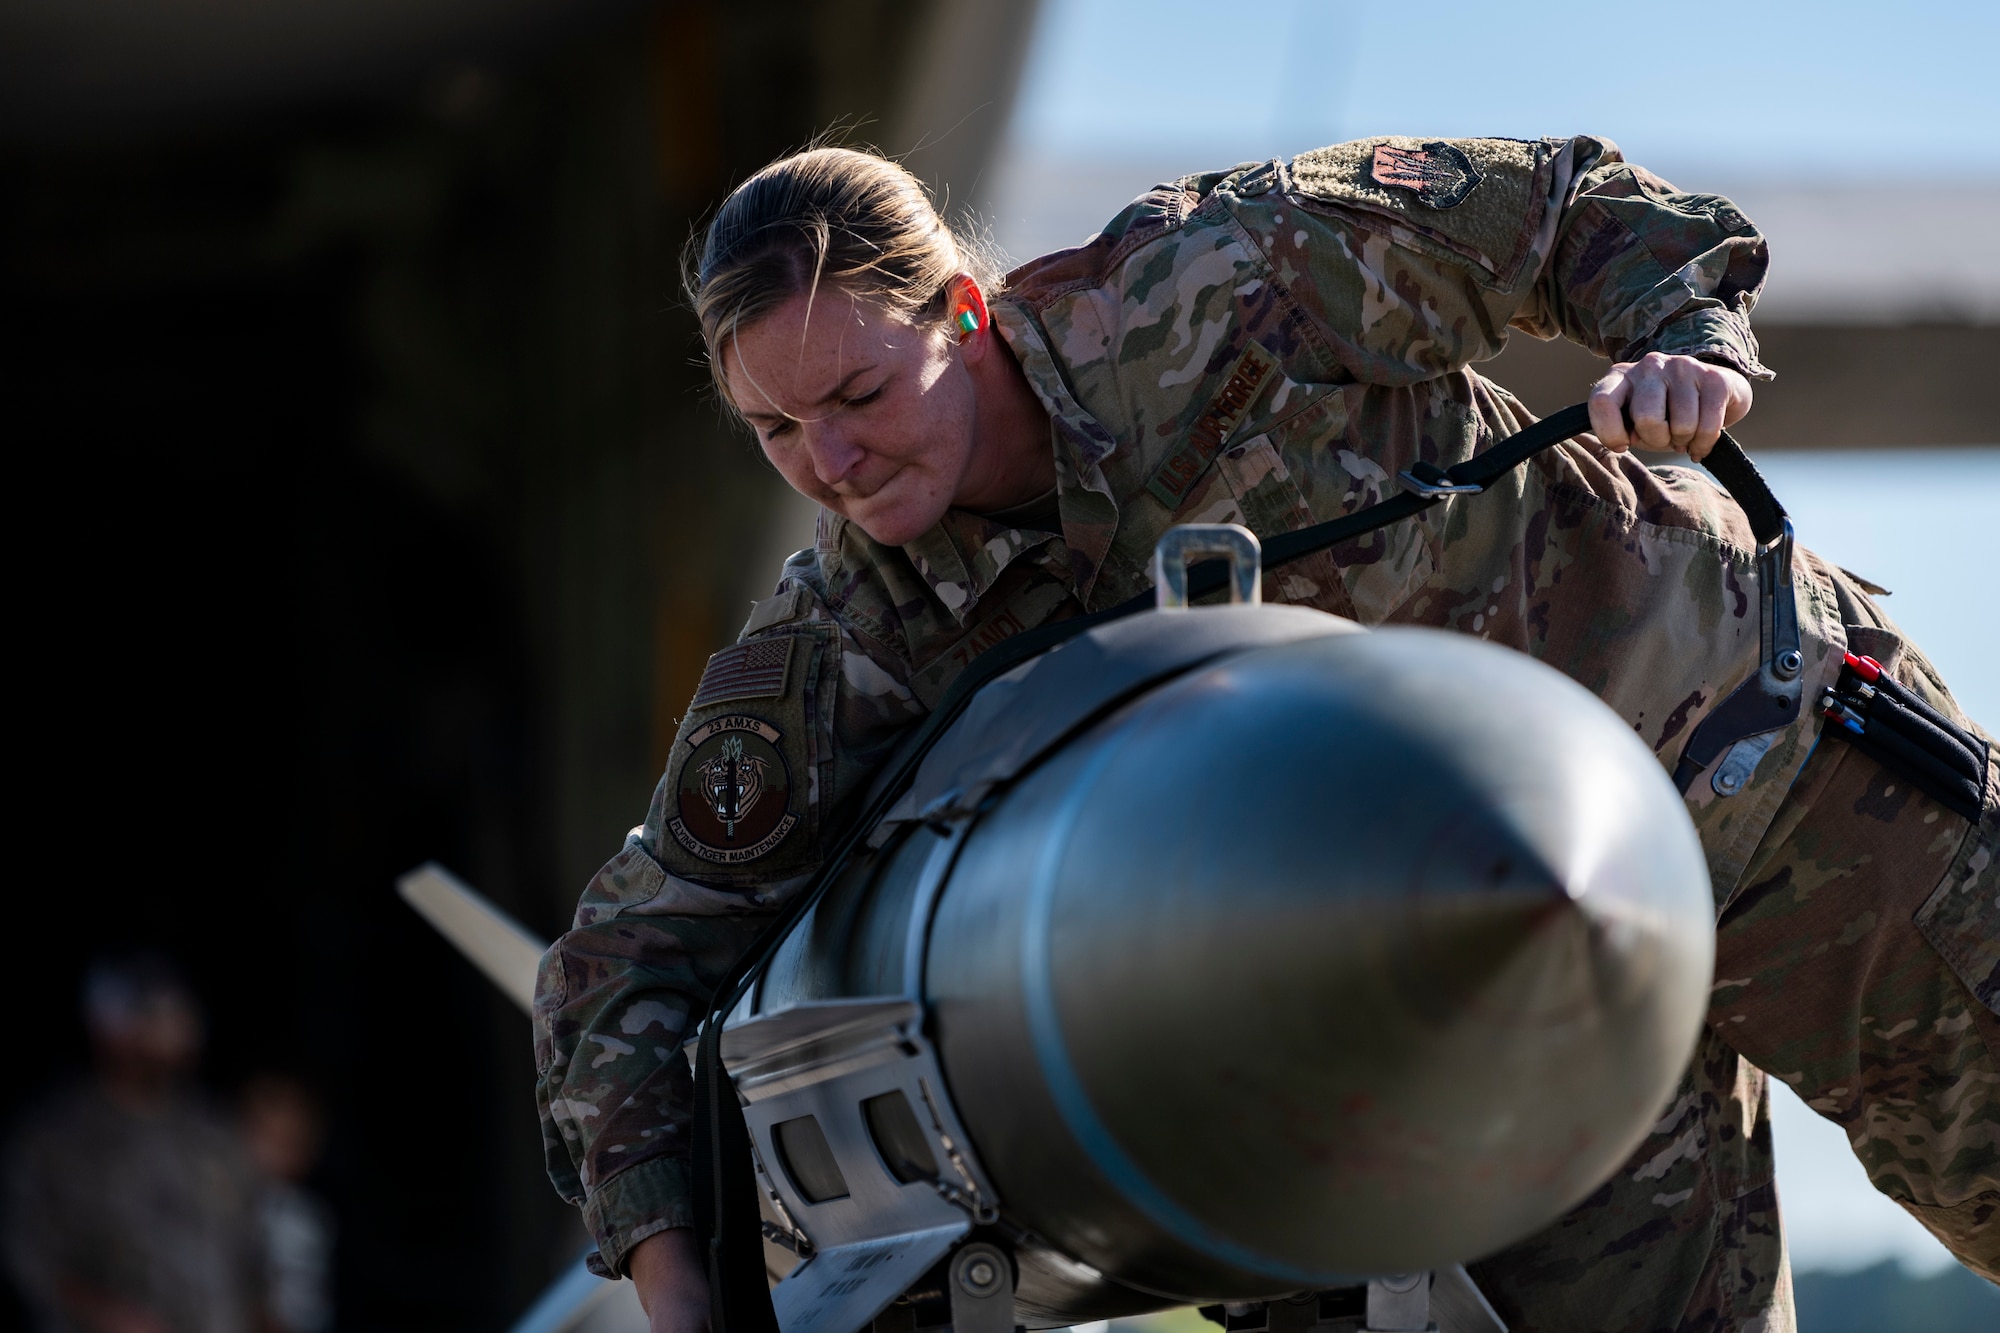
(834, 216)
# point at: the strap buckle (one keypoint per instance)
(1431, 481)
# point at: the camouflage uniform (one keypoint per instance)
(1271, 345)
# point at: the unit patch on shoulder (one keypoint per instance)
(1440, 173)
(753, 670)
(734, 792)
(1182, 467)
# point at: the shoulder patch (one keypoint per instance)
(1481, 198)
(1184, 464)
(733, 792)
(754, 670)
(1438, 174)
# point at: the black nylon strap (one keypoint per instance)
(725, 1198)
(726, 1217)
(1481, 470)
(1728, 464)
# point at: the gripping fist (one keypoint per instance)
(1672, 402)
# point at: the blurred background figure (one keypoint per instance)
(131, 1207)
(282, 1130)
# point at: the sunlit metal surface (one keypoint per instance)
(1305, 966)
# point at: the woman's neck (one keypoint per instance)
(1013, 456)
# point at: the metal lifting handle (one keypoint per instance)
(1181, 546)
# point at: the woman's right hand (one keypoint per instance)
(672, 1281)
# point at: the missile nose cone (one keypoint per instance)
(1363, 954)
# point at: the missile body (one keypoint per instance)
(1227, 953)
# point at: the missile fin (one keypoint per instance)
(496, 943)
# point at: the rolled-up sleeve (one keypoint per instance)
(1412, 259)
(616, 998)
(1639, 266)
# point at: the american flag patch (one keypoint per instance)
(754, 670)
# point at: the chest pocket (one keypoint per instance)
(1298, 472)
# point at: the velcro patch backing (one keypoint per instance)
(753, 670)
(1182, 467)
(779, 609)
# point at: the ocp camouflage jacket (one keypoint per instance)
(1271, 345)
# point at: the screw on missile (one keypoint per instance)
(978, 1273)
(982, 1290)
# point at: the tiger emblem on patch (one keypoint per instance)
(733, 792)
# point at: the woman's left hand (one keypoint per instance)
(1674, 402)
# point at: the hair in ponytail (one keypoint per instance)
(826, 217)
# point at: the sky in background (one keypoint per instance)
(1832, 89)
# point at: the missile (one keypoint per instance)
(1223, 954)
(1232, 956)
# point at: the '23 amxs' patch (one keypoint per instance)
(735, 791)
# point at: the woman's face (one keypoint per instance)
(858, 409)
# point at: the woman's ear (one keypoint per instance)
(967, 304)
